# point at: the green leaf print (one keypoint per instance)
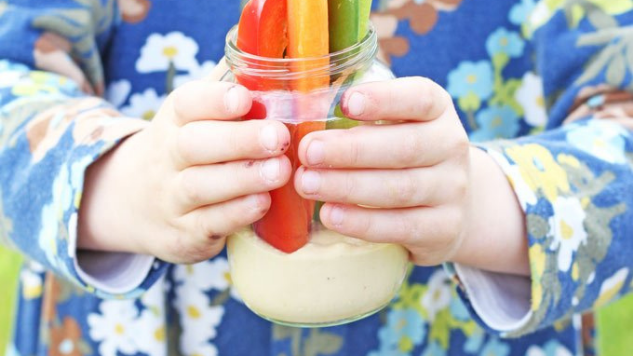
(318, 342)
(537, 226)
(322, 343)
(504, 91)
(81, 25)
(441, 329)
(599, 19)
(469, 102)
(616, 70)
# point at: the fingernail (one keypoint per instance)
(231, 100)
(270, 170)
(310, 182)
(316, 153)
(336, 215)
(256, 201)
(269, 138)
(356, 104)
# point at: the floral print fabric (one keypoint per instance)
(553, 72)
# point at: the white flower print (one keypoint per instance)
(151, 333)
(611, 287)
(144, 105)
(159, 52)
(602, 139)
(552, 348)
(9, 78)
(198, 72)
(117, 92)
(206, 275)
(522, 189)
(567, 228)
(151, 326)
(530, 96)
(438, 296)
(203, 349)
(114, 327)
(198, 317)
(32, 281)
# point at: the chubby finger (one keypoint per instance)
(210, 184)
(381, 188)
(218, 71)
(409, 99)
(208, 142)
(429, 227)
(209, 100)
(213, 222)
(383, 146)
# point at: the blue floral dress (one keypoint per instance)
(542, 86)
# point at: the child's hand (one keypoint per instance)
(407, 183)
(177, 188)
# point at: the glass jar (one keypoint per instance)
(332, 279)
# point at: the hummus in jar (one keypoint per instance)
(332, 280)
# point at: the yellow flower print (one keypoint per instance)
(40, 82)
(611, 287)
(537, 266)
(568, 160)
(546, 9)
(539, 170)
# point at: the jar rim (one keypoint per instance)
(361, 53)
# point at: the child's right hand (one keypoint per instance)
(193, 176)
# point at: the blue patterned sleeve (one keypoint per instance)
(53, 125)
(575, 180)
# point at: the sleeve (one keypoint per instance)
(574, 181)
(53, 125)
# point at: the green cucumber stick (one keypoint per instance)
(363, 21)
(344, 23)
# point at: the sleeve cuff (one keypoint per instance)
(112, 272)
(501, 301)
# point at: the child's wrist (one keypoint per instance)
(495, 237)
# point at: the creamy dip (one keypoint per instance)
(331, 280)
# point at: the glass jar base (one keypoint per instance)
(322, 324)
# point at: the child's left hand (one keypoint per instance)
(407, 183)
(413, 174)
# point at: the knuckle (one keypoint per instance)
(410, 148)
(189, 190)
(354, 153)
(461, 147)
(460, 185)
(177, 97)
(235, 139)
(185, 149)
(408, 230)
(349, 189)
(405, 190)
(191, 250)
(364, 227)
(454, 220)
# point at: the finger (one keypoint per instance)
(411, 99)
(218, 71)
(208, 100)
(213, 222)
(428, 229)
(382, 188)
(207, 142)
(384, 146)
(210, 184)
